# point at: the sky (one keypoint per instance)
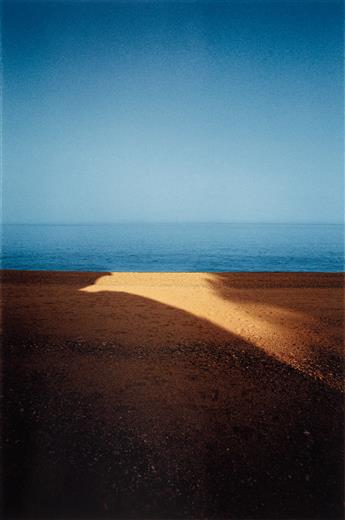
(173, 111)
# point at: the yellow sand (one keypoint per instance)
(296, 318)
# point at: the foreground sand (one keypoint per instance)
(169, 395)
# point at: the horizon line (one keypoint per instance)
(171, 222)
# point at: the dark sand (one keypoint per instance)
(172, 395)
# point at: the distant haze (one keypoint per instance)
(173, 111)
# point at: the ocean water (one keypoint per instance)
(174, 247)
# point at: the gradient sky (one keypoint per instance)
(173, 111)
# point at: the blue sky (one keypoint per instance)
(173, 111)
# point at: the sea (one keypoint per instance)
(190, 247)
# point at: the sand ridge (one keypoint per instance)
(295, 317)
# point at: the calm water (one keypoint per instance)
(174, 247)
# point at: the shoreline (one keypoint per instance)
(179, 395)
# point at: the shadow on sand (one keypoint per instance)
(295, 302)
(266, 288)
(196, 424)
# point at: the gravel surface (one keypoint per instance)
(206, 426)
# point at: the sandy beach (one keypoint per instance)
(172, 395)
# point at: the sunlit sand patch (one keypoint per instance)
(290, 335)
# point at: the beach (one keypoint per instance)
(172, 395)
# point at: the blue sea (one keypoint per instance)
(174, 247)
